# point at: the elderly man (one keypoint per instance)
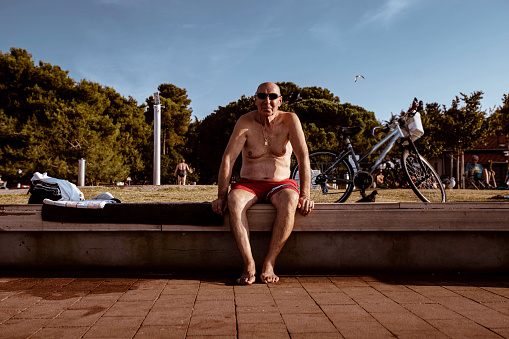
(266, 137)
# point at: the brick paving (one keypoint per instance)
(36, 304)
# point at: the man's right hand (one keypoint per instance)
(219, 206)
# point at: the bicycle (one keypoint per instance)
(334, 176)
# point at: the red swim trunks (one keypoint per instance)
(264, 189)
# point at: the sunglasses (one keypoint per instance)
(263, 96)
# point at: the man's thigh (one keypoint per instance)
(239, 199)
(285, 198)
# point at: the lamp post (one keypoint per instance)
(157, 140)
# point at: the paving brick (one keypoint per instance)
(214, 307)
(363, 330)
(346, 313)
(502, 307)
(149, 284)
(289, 293)
(298, 306)
(407, 297)
(432, 311)
(257, 309)
(60, 332)
(161, 332)
(121, 327)
(308, 323)
(169, 316)
(175, 300)
(488, 318)
(462, 328)
(337, 298)
(272, 330)
(180, 289)
(482, 296)
(348, 281)
(386, 305)
(20, 328)
(250, 289)
(258, 299)
(42, 311)
(94, 301)
(77, 318)
(315, 335)
(215, 294)
(141, 294)
(129, 309)
(212, 325)
(261, 318)
(402, 322)
(364, 294)
(433, 292)
(19, 302)
(209, 306)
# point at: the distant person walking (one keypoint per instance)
(181, 172)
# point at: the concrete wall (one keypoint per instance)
(334, 238)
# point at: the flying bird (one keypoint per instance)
(358, 76)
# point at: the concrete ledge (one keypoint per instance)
(410, 237)
(326, 217)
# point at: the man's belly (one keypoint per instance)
(264, 171)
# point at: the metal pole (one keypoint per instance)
(157, 140)
(81, 172)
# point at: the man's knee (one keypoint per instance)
(240, 199)
(285, 199)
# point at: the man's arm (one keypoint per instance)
(232, 151)
(300, 149)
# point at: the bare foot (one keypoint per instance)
(268, 275)
(247, 278)
(269, 278)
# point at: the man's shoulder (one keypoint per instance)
(247, 118)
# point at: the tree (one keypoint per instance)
(465, 126)
(48, 122)
(500, 118)
(432, 143)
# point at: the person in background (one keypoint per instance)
(478, 172)
(181, 172)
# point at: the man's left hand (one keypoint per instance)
(305, 206)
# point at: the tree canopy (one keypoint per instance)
(48, 121)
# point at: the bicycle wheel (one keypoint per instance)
(328, 184)
(423, 180)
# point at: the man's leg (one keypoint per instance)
(285, 202)
(239, 201)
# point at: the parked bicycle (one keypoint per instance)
(334, 175)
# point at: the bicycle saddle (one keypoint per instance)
(349, 131)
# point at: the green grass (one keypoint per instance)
(190, 193)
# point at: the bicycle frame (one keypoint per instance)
(391, 138)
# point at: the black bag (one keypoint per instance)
(43, 190)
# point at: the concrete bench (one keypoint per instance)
(409, 237)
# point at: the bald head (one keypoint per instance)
(270, 86)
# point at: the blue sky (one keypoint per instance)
(220, 50)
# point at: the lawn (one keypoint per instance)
(190, 193)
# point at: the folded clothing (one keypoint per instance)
(199, 214)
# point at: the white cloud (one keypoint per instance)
(388, 12)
